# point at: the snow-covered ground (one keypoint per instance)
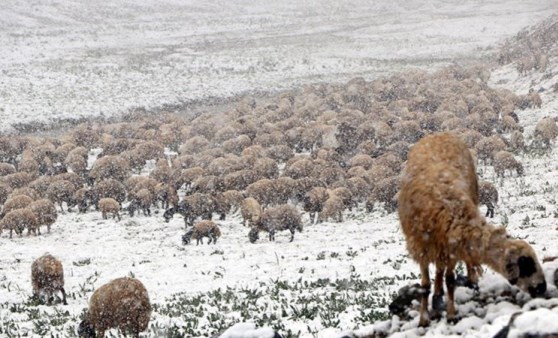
(72, 59)
(66, 59)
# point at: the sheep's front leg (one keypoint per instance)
(292, 235)
(450, 285)
(63, 296)
(424, 320)
(438, 297)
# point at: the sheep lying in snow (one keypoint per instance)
(19, 219)
(47, 276)
(488, 195)
(109, 206)
(440, 219)
(282, 217)
(200, 230)
(251, 211)
(122, 303)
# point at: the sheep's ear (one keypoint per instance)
(527, 266)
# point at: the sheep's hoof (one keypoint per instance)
(423, 322)
(438, 304)
(452, 320)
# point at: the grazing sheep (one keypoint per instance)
(192, 207)
(112, 166)
(487, 147)
(439, 215)
(333, 208)
(263, 191)
(45, 211)
(142, 199)
(18, 180)
(488, 195)
(517, 141)
(47, 277)
(546, 131)
(200, 230)
(282, 217)
(30, 192)
(60, 192)
(16, 202)
(82, 198)
(7, 169)
(19, 219)
(122, 303)
(504, 160)
(166, 194)
(313, 201)
(108, 188)
(109, 205)
(251, 211)
(234, 198)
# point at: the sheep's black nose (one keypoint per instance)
(539, 290)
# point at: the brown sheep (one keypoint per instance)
(439, 215)
(487, 147)
(263, 191)
(122, 303)
(546, 131)
(16, 202)
(112, 166)
(251, 211)
(488, 195)
(18, 180)
(517, 141)
(45, 211)
(200, 230)
(282, 217)
(141, 199)
(7, 169)
(47, 277)
(166, 194)
(30, 192)
(234, 198)
(60, 192)
(109, 205)
(108, 188)
(313, 201)
(19, 219)
(333, 208)
(504, 160)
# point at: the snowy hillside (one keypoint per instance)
(67, 60)
(76, 59)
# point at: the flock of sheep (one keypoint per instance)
(321, 150)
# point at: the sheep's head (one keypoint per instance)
(523, 269)
(168, 215)
(86, 329)
(253, 235)
(187, 237)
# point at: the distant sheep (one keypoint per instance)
(112, 166)
(122, 303)
(546, 131)
(109, 206)
(488, 195)
(504, 161)
(192, 207)
(16, 202)
(108, 188)
(282, 217)
(250, 210)
(234, 199)
(313, 201)
(439, 183)
(19, 219)
(47, 277)
(200, 230)
(142, 200)
(45, 211)
(333, 208)
(61, 192)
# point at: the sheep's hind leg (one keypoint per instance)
(450, 285)
(424, 319)
(63, 296)
(438, 297)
